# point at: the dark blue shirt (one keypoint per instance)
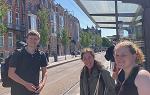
(28, 66)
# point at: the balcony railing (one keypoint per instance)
(16, 27)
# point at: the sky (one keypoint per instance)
(73, 8)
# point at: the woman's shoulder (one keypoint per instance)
(143, 73)
(143, 77)
(142, 82)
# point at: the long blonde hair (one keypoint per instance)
(133, 48)
(87, 50)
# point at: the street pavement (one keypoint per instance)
(61, 60)
(74, 90)
(69, 58)
(58, 75)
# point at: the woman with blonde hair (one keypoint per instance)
(136, 80)
(94, 79)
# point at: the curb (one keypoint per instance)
(61, 63)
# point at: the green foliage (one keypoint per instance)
(64, 38)
(44, 26)
(85, 39)
(98, 41)
(106, 42)
(88, 39)
(3, 12)
(3, 8)
(3, 28)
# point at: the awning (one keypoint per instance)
(103, 13)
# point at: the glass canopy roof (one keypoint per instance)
(102, 12)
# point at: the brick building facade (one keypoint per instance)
(22, 17)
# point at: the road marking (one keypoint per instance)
(71, 88)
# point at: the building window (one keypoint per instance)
(61, 21)
(23, 5)
(29, 22)
(1, 56)
(10, 39)
(32, 22)
(18, 3)
(49, 6)
(51, 18)
(52, 28)
(45, 3)
(29, 5)
(17, 19)
(9, 14)
(0, 20)
(1, 40)
(55, 23)
(42, 2)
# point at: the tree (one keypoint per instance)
(98, 41)
(44, 25)
(82, 39)
(3, 12)
(85, 39)
(65, 40)
(106, 42)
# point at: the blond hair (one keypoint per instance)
(33, 33)
(133, 48)
(85, 50)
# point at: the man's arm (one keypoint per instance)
(43, 81)
(16, 78)
(44, 75)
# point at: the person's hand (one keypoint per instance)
(30, 87)
(115, 73)
(39, 88)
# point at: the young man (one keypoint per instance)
(25, 66)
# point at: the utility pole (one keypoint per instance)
(116, 14)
